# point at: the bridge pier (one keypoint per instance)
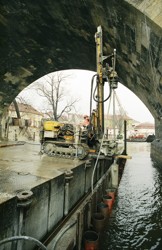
(156, 145)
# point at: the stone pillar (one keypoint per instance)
(3, 123)
(158, 128)
(156, 145)
(2, 127)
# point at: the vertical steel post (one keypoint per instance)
(24, 200)
(68, 177)
(100, 85)
(125, 137)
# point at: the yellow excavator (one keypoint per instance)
(67, 141)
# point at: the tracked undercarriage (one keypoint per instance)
(67, 150)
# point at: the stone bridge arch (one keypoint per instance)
(39, 38)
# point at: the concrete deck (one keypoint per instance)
(21, 167)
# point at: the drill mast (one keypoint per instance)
(100, 83)
(104, 74)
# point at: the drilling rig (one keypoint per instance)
(67, 141)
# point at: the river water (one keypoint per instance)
(136, 219)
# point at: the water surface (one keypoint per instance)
(136, 220)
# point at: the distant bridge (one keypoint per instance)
(39, 38)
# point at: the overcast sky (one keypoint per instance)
(128, 100)
(78, 86)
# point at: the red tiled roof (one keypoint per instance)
(145, 125)
(26, 108)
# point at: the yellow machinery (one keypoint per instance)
(62, 140)
(66, 141)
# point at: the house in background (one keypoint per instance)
(145, 129)
(29, 115)
(26, 128)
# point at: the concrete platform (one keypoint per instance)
(22, 169)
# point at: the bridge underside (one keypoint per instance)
(38, 38)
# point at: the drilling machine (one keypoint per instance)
(65, 141)
(106, 74)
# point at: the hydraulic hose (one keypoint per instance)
(91, 93)
(10, 239)
(110, 91)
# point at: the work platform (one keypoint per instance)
(41, 190)
(22, 168)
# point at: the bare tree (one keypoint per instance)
(54, 91)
